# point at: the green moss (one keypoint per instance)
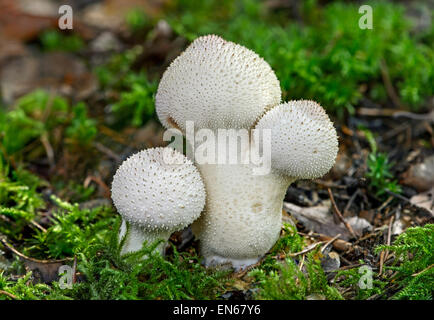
(414, 250)
(284, 280)
(290, 283)
(353, 278)
(135, 104)
(413, 276)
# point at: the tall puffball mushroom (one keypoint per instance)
(156, 191)
(222, 85)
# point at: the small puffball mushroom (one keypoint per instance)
(216, 84)
(304, 144)
(156, 191)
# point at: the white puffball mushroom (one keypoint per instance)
(156, 191)
(304, 144)
(216, 84)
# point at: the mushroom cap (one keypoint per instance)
(216, 84)
(304, 143)
(159, 189)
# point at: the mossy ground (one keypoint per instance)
(58, 153)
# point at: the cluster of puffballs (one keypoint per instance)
(235, 214)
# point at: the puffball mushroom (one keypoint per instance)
(156, 191)
(243, 215)
(216, 84)
(304, 144)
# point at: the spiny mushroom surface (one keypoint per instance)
(303, 140)
(156, 191)
(216, 84)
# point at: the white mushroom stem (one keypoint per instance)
(136, 236)
(243, 214)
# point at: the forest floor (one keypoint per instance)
(75, 104)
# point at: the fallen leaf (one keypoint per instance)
(59, 73)
(424, 201)
(420, 176)
(319, 219)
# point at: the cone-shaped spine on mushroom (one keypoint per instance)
(156, 191)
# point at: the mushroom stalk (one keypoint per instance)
(242, 217)
(136, 237)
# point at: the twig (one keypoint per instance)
(350, 202)
(415, 116)
(374, 112)
(385, 204)
(74, 270)
(397, 196)
(330, 242)
(308, 249)
(107, 151)
(391, 92)
(339, 214)
(10, 295)
(19, 254)
(98, 181)
(352, 266)
(420, 272)
(37, 225)
(338, 244)
(383, 254)
(302, 262)
(48, 149)
(243, 272)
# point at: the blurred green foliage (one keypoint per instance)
(81, 129)
(135, 104)
(55, 40)
(379, 169)
(40, 115)
(137, 20)
(325, 56)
